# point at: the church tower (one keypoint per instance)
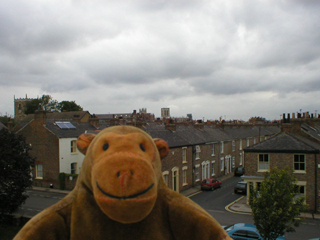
(19, 107)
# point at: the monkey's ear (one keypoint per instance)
(162, 146)
(84, 141)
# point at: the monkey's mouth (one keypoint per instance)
(125, 197)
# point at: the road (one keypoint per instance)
(37, 201)
(214, 202)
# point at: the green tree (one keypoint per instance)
(15, 171)
(276, 205)
(69, 106)
(45, 102)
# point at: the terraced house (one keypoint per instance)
(197, 150)
(296, 147)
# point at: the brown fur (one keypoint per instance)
(120, 194)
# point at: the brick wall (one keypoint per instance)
(282, 160)
(45, 148)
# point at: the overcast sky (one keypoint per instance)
(231, 59)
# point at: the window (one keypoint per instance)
(212, 150)
(73, 146)
(196, 172)
(39, 171)
(212, 168)
(184, 176)
(221, 147)
(222, 163)
(233, 146)
(166, 177)
(240, 233)
(198, 150)
(254, 141)
(300, 189)
(184, 155)
(299, 162)
(233, 162)
(263, 162)
(205, 169)
(241, 158)
(240, 144)
(73, 168)
(248, 142)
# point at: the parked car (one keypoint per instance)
(240, 231)
(241, 187)
(239, 171)
(210, 184)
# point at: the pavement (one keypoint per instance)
(239, 206)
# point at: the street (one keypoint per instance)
(214, 202)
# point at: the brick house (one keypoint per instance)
(286, 149)
(199, 151)
(53, 144)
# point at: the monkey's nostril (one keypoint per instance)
(118, 174)
(131, 172)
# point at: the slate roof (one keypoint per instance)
(285, 143)
(189, 135)
(79, 129)
(51, 115)
(313, 131)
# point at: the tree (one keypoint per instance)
(45, 102)
(48, 104)
(67, 106)
(15, 171)
(276, 205)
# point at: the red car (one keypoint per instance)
(210, 184)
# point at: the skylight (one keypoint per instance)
(65, 125)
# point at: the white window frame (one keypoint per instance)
(198, 150)
(39, 172)
(248, 142)
(241, 158)
(221, 147)
(304, 162)
(184, 155)
(263, 167)
(212, 150)
(212, 168)
(197, 172)
(233, 162)
(233, 145)
(184, 176)
(240, 144)
(222, 164)
(165, 175)
(73, 146)
(73, 167)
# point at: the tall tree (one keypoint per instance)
(276, 205)
(69, 106)
(15, 171)
(45, 102)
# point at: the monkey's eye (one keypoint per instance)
(142, 147)
(105, 146)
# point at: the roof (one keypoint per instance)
(189, 135)
(79, 129)
(51, 115)
(285, 143)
